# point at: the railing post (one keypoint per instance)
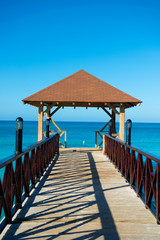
(19, 132)
(110, 127)
(128, 136)
(104, 144)
(47, 128)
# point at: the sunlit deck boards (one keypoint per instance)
(83, 197)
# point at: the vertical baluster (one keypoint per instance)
(132, 169)
(138, 173)
(26, 176)
(3, 201)
(37, 164)
(113, 143)
(110, 146)
(111, 149)
(32, 167)
(51, 148)
(158, 194)
(45, 158)
(47, 149)
(123, 156)
(44, 161)
(18, 179)
(106, 142)
(121, 167)
(54, 145)
(122, 159)
(116, 153)
(119, 156)
(42, 158)
(147, 183)
(7, 189)
(14, 190)
(128, 162)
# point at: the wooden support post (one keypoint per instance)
(40, 123)
(48, 117)
(113, 122)
(48, 112)
(104, 145)
(96, 139)
(113, 108)
(121, 123)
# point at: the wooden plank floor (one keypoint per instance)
(83, 197)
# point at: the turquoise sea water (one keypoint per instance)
(145, 136)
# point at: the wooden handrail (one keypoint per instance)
(23, 171)
(141, 170)
(14, 157)
(135, 149)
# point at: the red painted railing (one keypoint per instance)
(21, 173)
(141, 170)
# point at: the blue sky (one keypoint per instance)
(42, 42)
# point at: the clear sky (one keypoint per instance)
(42, 42)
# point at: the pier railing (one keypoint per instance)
(20, 173)
(141, 171)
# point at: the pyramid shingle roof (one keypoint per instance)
(79, 89)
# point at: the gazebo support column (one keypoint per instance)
(121, 123)
(48, 117)
(113, 122)
(40, 123)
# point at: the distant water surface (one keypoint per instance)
(145, 136)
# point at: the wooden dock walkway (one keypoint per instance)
(82, 196)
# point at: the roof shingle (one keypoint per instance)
(81, 87)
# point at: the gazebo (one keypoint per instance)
(82, 89)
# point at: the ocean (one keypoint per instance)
(145, 136)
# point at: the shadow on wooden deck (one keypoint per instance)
(68, 203)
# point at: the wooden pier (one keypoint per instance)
(82, 196)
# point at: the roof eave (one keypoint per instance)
(80, 104)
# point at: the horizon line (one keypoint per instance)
(74, 121)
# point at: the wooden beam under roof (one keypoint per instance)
(106, 111)
(82, 104)
(114, 109)
(51, 114)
